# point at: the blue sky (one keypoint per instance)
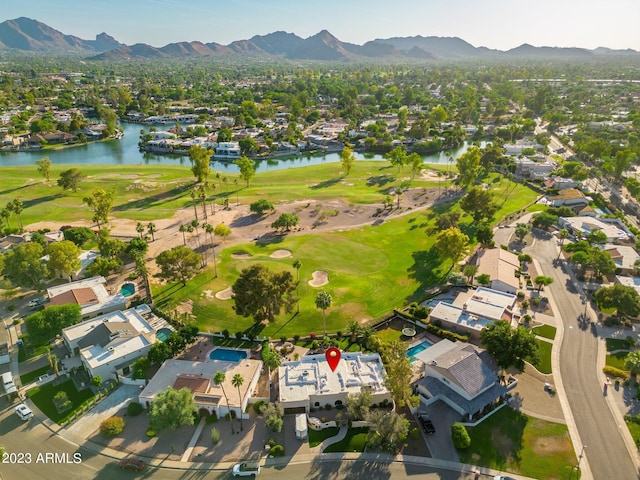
(500, 24)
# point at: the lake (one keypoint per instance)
(125, 152)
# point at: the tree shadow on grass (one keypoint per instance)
(326, 183)
(379, 180)
(36, 201)
(426, 270)
(157, 199)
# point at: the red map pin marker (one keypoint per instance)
(333, 358)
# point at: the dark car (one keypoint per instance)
(427, 425)
(134, 464)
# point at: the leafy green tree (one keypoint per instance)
(178, 264)
(261, 206)
(200, 158)
(218, 379)
(632, 362)
(601, 262)
(46, 324)
(100, 203)
(222, 230)
(542, 281)
(359, 404)
(596, 237)
(399, 372)
(623, 298)
(273, 416)
(25, 266)
(483, 279)
(469, 271)
(140, 368)
(451, 243)
(479, 204)
(510, 346)
(237, 382)
(469, 166)
(64, 258)
(172, 409)
(389, 430)
(137, 247)
(78, 235)
(285, 221)
(323, 301)
(522, 230)
(16, 206)
(44, 168)
(447, 220)
(484, 234)
(347, 159)
(460, 436)
(270, 358)
(70, 179)
(262, 294)
(397, 157)
(248, 146)
(416, 163)
(247, 168)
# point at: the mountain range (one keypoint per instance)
(25, 34)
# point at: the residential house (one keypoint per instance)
(198, 377)
(459, 374)
(310, 383)
(501, 266)
(561, 183)
(613, 228)
(624, 256)
(90, 294)
(109, 344)
(528, 168)
(569, 197)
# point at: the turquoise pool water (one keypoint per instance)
(417, 348)
(163, 334)
(227, 355)
(128, 289)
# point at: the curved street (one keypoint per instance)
(606, 451)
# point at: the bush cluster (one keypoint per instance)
(134, 409)
(460, 436)
(112, 426)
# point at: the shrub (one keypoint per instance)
(460, 436)
(226, 333)
(277, 451)
(112, 426)
(283, 338)
(328, 406)
(212, 418)
(296, 338)
(312, 335)
(134, 409)
(258, 406)
(614, 372)
(421, 312)
(414, 433)
(151, 433)
(215, 435)
(239, 335)
(17, 320)
(271, 443)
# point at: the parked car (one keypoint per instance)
(246, 469)
(37, 301)
(132, 463)
(7, 383)
(427, 425)
(24, 412)
(503, 477)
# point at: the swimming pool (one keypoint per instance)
(227, 354)
(416, 349)
(128, 289)
(433, 302)
(163, 334)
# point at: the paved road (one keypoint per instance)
(606, 451)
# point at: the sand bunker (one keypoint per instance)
(225, 294)
(281, 254)
(208, 293)
(241, 254)
(320, 278)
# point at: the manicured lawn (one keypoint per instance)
(634, 429)
(390, 335)
(31, 376)
(355, 441)
(617, 360)
(544, 363)
(43, 398)
(316, 437)
(511, 441)
(617, 344)
(546, 331)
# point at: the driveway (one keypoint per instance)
(440, 443)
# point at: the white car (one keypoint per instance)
(24, 412)
(246, 469)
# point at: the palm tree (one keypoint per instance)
(562, 235)
(193, 196)
(195, 224)
(353, 328)
(183, 229)
(323, 301)
(218, 379)
(209, 229)
(151, 228)
(202, 195)
(140, 229)
(6, 215)
(237, 382)
(297, 264)
(141, 270)
(17, 207)
(235, 181)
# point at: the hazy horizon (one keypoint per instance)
(496, 24)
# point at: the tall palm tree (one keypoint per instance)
(151, 228)
(323, 301)
(209, 229)
(140, 229)
(193, 196)
(353, 328)
(202, 195)
(297, 264)
(183, 229)
(219, 379)
(562, 235)
(237, 382)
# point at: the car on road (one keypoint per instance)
(503, 477)
(246, 469)
(427, 425)
(134, 464)
(24, 412)
(37, 302)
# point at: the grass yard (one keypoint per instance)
(43, 399)
(544, 363)
(617, 360)
(354, 441)
(511, 441)
(634, 429)
(617, 344)
(316, 437)
(31, 376)
(546, 331)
